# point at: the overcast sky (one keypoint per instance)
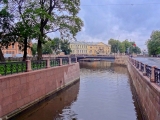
(119, 19)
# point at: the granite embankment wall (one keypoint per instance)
(19, 91)
(148, 93)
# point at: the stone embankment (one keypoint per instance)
(22, 90)
(146, 81)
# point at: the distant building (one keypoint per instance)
(78, 47)
(14, 51)
(90, 48)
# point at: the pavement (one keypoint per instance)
(149, 61)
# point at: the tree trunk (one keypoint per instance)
(39, 49)
(1, 56)
(25, 50)
(39, 45)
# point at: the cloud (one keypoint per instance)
(133, 20)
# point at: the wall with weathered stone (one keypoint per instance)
(148, 93)
(121, 60)
(21, 90)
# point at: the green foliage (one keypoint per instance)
(65, 47)
(115, 45)
(36, 19)
(153, 44)
(34, 49)
(46, 48)
(60, 16)
(55, 45)
(123, 47)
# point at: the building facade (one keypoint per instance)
(78, 47)
(90, 48)
(14, 51)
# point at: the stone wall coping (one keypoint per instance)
(152, 85)
(33, 71)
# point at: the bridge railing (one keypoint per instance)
(152, 72)
(7, 68)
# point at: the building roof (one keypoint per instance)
(87, 43)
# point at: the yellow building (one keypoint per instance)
(78, 47)
(90, 48)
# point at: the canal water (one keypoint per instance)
(104, 92)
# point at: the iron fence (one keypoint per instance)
(157, 75)
(142, 67)
(54, 62)
(12, 67)
(38, 64)
(148, 71)
(137, 64)
(65, 61)
(73, 60)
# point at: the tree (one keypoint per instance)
(55, 45)
(153, 44)
(65, 47)
(47, 48)
(6, 18)
(56, 15)
(125, 46)
(23, 30)
(26, 28)
(34, 49)
(115, 45)
(122, 48)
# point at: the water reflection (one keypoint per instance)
(104, 93)
(103, 65)
(56, 108)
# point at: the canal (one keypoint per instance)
(104, 92)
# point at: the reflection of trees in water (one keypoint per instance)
(104, 65)
(53, 109)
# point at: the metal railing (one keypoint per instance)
(65, 61)
(12, 67)
(152, 73)
(73, 60)
(54, 62)
(142, 67)
(137, 64)
(38, 64)
(29, 65)
(157, 75)
(148, 71)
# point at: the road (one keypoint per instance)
(149, 61)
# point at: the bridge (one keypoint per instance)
(110, 58)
